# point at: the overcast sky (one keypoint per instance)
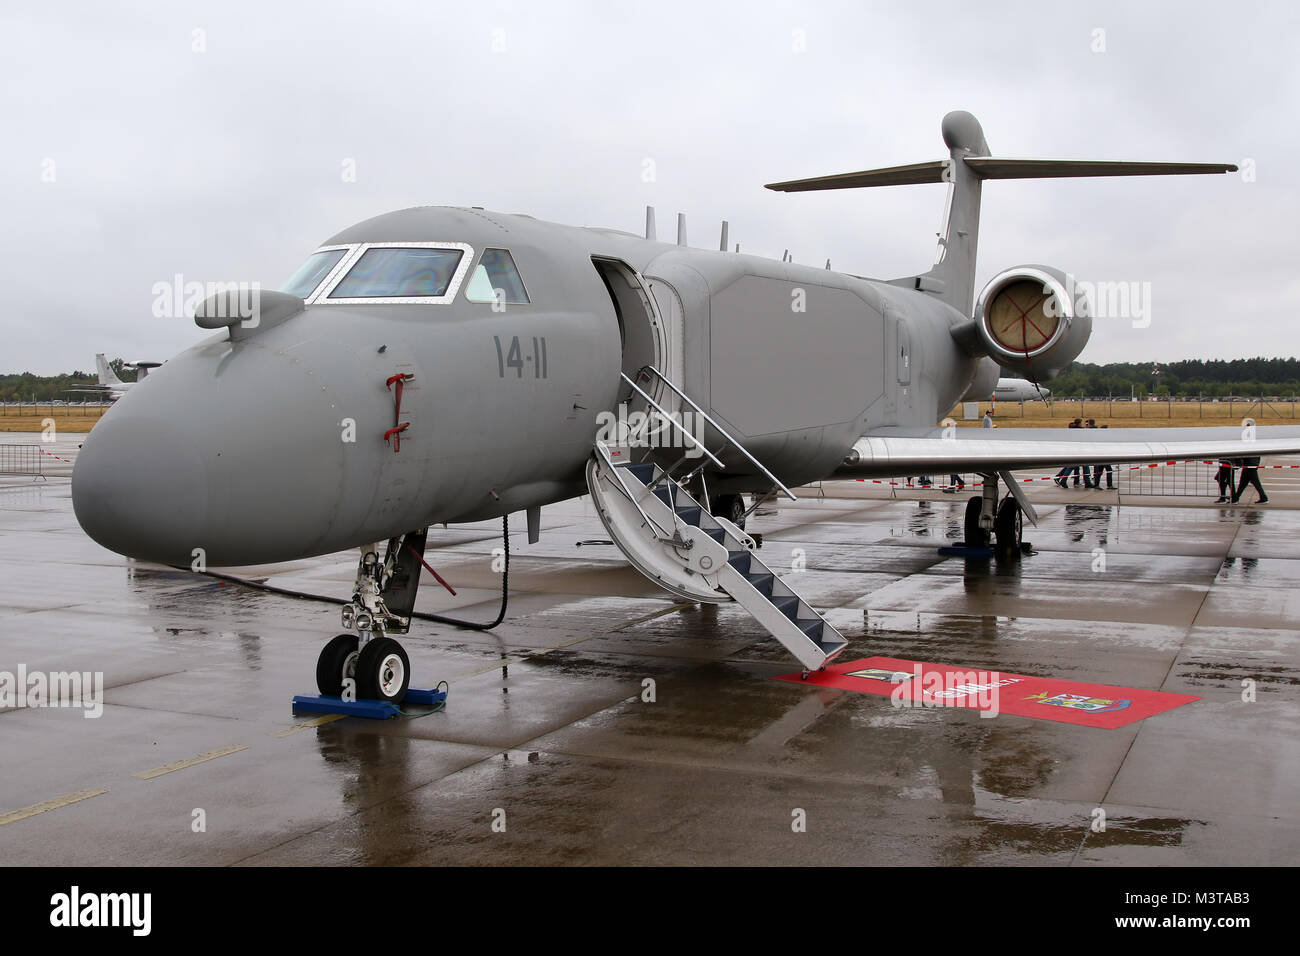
(211, 140)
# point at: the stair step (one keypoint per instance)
(762, 583)
(831, 646)
(665, 495)
(812, 627)
(690, 515)
(789, 606)
(644, 471)
(717, 534)
(740, 561)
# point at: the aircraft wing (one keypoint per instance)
(890, 452)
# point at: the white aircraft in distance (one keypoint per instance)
(1019, 390)
(109, 384)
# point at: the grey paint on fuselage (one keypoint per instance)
(247, 435)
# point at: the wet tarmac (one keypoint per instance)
(550, 750)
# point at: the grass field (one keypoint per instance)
(1126, 414)
(66, 418)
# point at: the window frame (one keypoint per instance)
(528, 300)
(329, 276)
(322, 294)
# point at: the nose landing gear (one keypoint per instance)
(369, 664)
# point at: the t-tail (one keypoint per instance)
(968, 164)
(106, 374)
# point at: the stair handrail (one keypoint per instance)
(718, 428)
(604, 453)
(669, 418)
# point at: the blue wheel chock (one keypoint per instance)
(372, 709)
(961, 551)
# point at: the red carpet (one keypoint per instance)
(914, 684)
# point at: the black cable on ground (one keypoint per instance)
(455, 622)
(505, 590)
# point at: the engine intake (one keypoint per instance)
(1032, 319)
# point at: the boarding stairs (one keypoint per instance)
(671, 538)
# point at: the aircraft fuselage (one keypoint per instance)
(268, 445)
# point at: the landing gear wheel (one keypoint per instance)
(731, 507)
(976, 537)
(383, 670)
(1008, 527)
(338, 660)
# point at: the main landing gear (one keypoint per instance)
(368, 664)
(731, 507)
(987, 520)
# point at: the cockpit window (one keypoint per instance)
(389, 272)
(304, 282)
(495, 279)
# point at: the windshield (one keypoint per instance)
(304, 282)
(399, 273)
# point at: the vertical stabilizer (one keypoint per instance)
(953, 276)
(106, 375)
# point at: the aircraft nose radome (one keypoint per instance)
(139, 488)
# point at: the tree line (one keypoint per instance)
(26, 387)
(1191, 378)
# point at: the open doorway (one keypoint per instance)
(640, 330)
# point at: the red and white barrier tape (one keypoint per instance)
(980, 484)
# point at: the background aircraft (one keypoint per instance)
(109, 384)
(1019, 390)
(439, 364)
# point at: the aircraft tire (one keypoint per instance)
(976, 537)
(1008, 526)
(383, 670)
(337, 660)
(731, 507)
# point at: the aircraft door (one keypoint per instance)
(641, 331)
(904, 352)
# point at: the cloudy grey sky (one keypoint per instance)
(220, 154)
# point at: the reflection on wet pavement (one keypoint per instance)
(608, 723)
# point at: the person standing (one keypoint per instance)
(1224, 479)
(1063, 476)
(1088, 481)
(988, 420)
(1108, 469)
(1250, 476)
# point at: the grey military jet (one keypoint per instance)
(439, 365)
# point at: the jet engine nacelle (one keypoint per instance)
(1031, 319)
(986, 380)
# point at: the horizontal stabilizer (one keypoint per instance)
(893, 176)
(991, 167)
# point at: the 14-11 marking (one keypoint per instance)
(514, 358)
